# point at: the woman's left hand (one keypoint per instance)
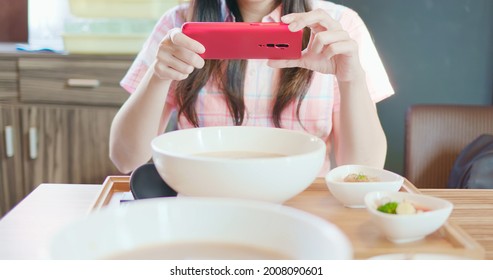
(330, 50)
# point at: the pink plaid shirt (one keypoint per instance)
(319, 104)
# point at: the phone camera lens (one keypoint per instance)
(282, 46)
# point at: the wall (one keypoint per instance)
(435, 51)
(13, 21)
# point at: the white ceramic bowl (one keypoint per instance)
(269, 164)
(412, 227)
(418, 256)
(352, 194)
(215, 222)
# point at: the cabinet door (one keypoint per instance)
(46, 141)
(88, 151)
(11, 185)
(67, 144)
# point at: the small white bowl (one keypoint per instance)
(201, 228)
(412, 227)
(352, 194)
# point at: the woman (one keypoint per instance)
(330, 91)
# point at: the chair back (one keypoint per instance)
(434, 137)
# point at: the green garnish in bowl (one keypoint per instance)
(361, 177)
(389, 208)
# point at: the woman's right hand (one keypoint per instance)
(177, 56)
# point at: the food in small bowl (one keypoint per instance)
(350, 183)
(200, 228)
(406, 217)
(269, 164)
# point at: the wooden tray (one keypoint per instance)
(355, 223)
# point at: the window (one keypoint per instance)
(46, 20)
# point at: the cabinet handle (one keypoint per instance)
(83, 83)
(9, 142)
(33, 143)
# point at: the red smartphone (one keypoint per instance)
(245, 40)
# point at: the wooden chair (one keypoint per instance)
(434, 137)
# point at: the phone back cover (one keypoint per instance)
(242, 40)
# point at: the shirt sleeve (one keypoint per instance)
(171, 19)
(377, 79)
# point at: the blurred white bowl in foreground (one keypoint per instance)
(201, 228)
(418, 256)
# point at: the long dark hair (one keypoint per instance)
(229, 75)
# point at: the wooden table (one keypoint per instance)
(369, 242)
(473, 212)
(27, 229)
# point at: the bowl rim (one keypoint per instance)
(329, 230)
(329, 176)
(319, 145)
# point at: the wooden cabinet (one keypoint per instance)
(55, 117)
(12, 189)
(66, 144)
(8, 79)
(67, 80)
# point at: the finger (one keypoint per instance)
(322, 39)
(166, 73)
(348, 47)
(283, 63)
(189, 57)
(182, 53)
(313, 19)
(173, 62)
(172, 33)
(182, 40)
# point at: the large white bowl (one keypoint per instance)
(271, 164)
(413, 227)
(352, 194)
(115, 233)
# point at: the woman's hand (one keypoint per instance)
(330, 50)
(177, 56)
